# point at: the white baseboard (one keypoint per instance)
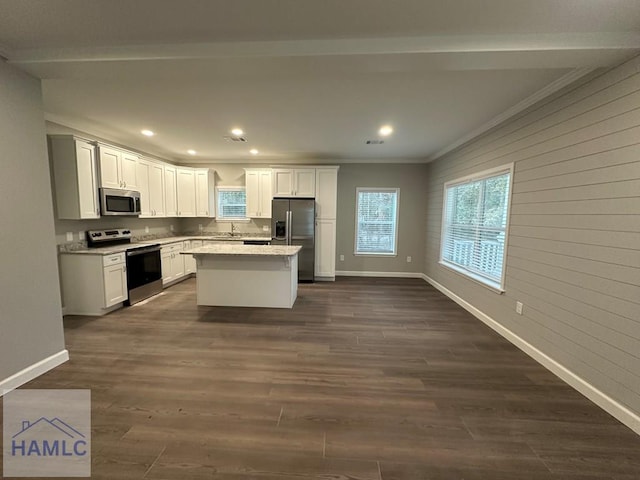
(33, 371)
(345, 273)
(622, 413)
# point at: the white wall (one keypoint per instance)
(574, 245)
(30, 310)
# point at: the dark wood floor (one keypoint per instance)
(363, 379)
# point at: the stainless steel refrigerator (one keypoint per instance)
(293, 223)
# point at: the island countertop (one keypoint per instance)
(253, 250)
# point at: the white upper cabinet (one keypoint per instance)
(258, 189)
(186, 192)
(150, 178)
(294, 182)
(170, 191)
(118, 169)
(326, 192)
(205, 193)
(75, 177)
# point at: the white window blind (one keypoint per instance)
(376, 221)
(475, 225)
(232, 203)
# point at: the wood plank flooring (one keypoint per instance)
(371, 379)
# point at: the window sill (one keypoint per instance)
(493, 286)
(233, 220)
(374, 254)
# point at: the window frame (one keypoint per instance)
(397, 222)
(220, 219)
(483, 175)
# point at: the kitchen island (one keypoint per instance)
(246, 275)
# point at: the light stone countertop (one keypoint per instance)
(161, 241)
(254, 250)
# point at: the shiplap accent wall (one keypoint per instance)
(574, 244)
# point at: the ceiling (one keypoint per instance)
(307, 80)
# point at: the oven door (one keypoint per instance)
(144, 272)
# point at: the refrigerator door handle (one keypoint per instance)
(289, 225)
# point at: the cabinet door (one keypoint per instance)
(109, 167)
(189, 260)
(170, 188)
(142, 175)
(186, 193)
(305, 182)
(167, 274)
(156, 190)
(87, 180)
(326, 192)
(203, 194)
(128, 171)
(282, 183)
(252, 185)
(115, 285)
(265, 194)
(325, 248)
(177, 265)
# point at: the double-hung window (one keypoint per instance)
(232, 203)
(474, 225)
(377, 221)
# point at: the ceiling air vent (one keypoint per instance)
(374, 142)
(229, 138)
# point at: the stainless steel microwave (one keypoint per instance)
(114, 201)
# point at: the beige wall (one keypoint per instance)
(574, 245)
(411, 179)
(30, 310)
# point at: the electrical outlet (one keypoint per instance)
(81, 235)
(69, 236)
(146, 229)
(519, 308)
(342, 258)
(200, 226)
(171, 227)
(408, 258)
(265, 228)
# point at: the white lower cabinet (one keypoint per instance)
(325, 261)
(189, 260)
(173, 264)
(93, 284)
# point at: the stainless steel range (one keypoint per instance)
(144, 267)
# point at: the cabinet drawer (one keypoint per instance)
(173, 247)
(114, 259)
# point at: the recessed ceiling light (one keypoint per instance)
(253, 151)
(191, 152)
(147, 133)
(237, 132)
(385, 130)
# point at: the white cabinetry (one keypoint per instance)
(118, 168)
(186, 184)
(172, 262)
(150, 177)
(93, 284)
(170, 191)
(189, 260)
(326, 209)
(75, 177)
(294, 182)
(258, 188)
(205, 193)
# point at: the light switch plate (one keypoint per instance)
(342, 258)
(519, 308)
(81, 235)
(408, 258)
(69, 236)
